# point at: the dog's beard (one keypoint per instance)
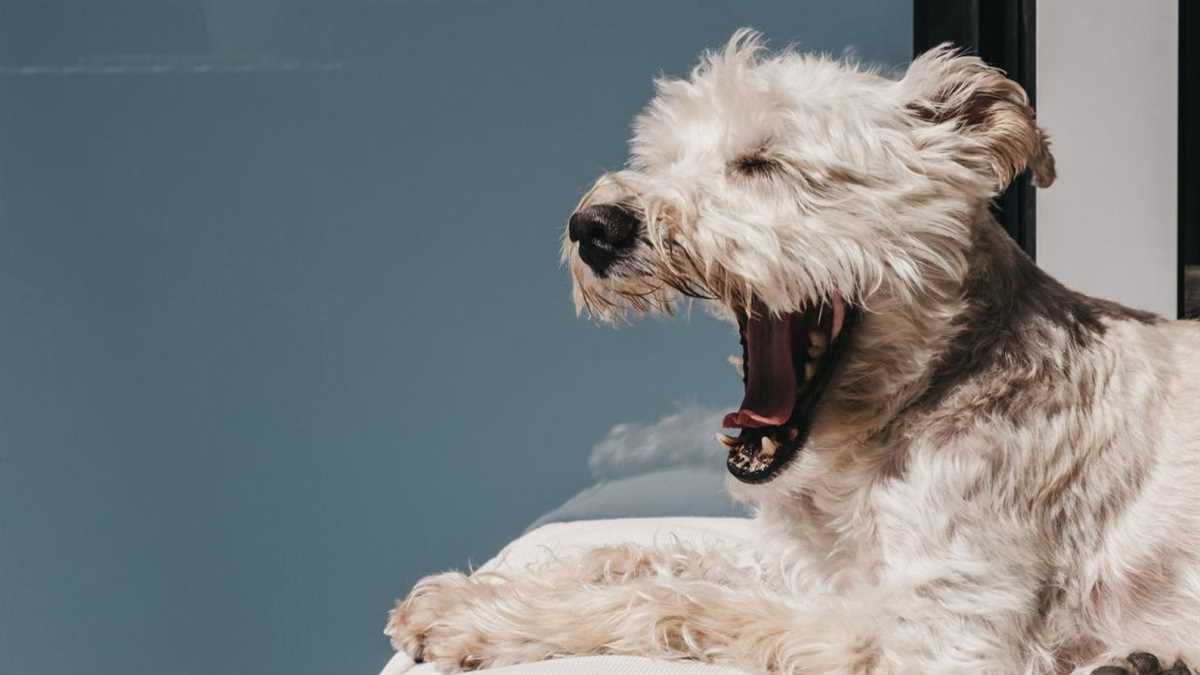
(788, 362)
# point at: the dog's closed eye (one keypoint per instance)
(756, 164)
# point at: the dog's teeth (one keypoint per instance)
(810, 369)
(839, 318)
(793, 433)
(727, 441)
(769, 446)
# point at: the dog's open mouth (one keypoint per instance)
(788, 361)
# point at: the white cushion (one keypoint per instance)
(564, 538)
(696, 491)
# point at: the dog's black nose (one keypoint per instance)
(603, 231)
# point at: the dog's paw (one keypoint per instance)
(1143, 663)
(422, 620)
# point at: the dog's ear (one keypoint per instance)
(993, 112)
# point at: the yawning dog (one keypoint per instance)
(958, 464)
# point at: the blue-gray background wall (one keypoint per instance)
(282, 326)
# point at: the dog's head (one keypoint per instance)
(825, 208)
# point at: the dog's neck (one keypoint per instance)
(1005, 345)
(1004, 318)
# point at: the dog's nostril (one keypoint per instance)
(605, 224)
(603, 232)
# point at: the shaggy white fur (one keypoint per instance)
(1000, 476)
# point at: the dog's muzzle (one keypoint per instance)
(604, 232)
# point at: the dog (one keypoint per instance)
(957, 464)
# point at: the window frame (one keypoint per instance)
(1189, 146)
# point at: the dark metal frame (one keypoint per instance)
(1189, 143)
(1002, 33)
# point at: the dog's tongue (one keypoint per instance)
(770, 376)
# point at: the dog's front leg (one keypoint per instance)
(465, 623)
(927, 618)
(663, 601)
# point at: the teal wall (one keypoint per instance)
(282, 326)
